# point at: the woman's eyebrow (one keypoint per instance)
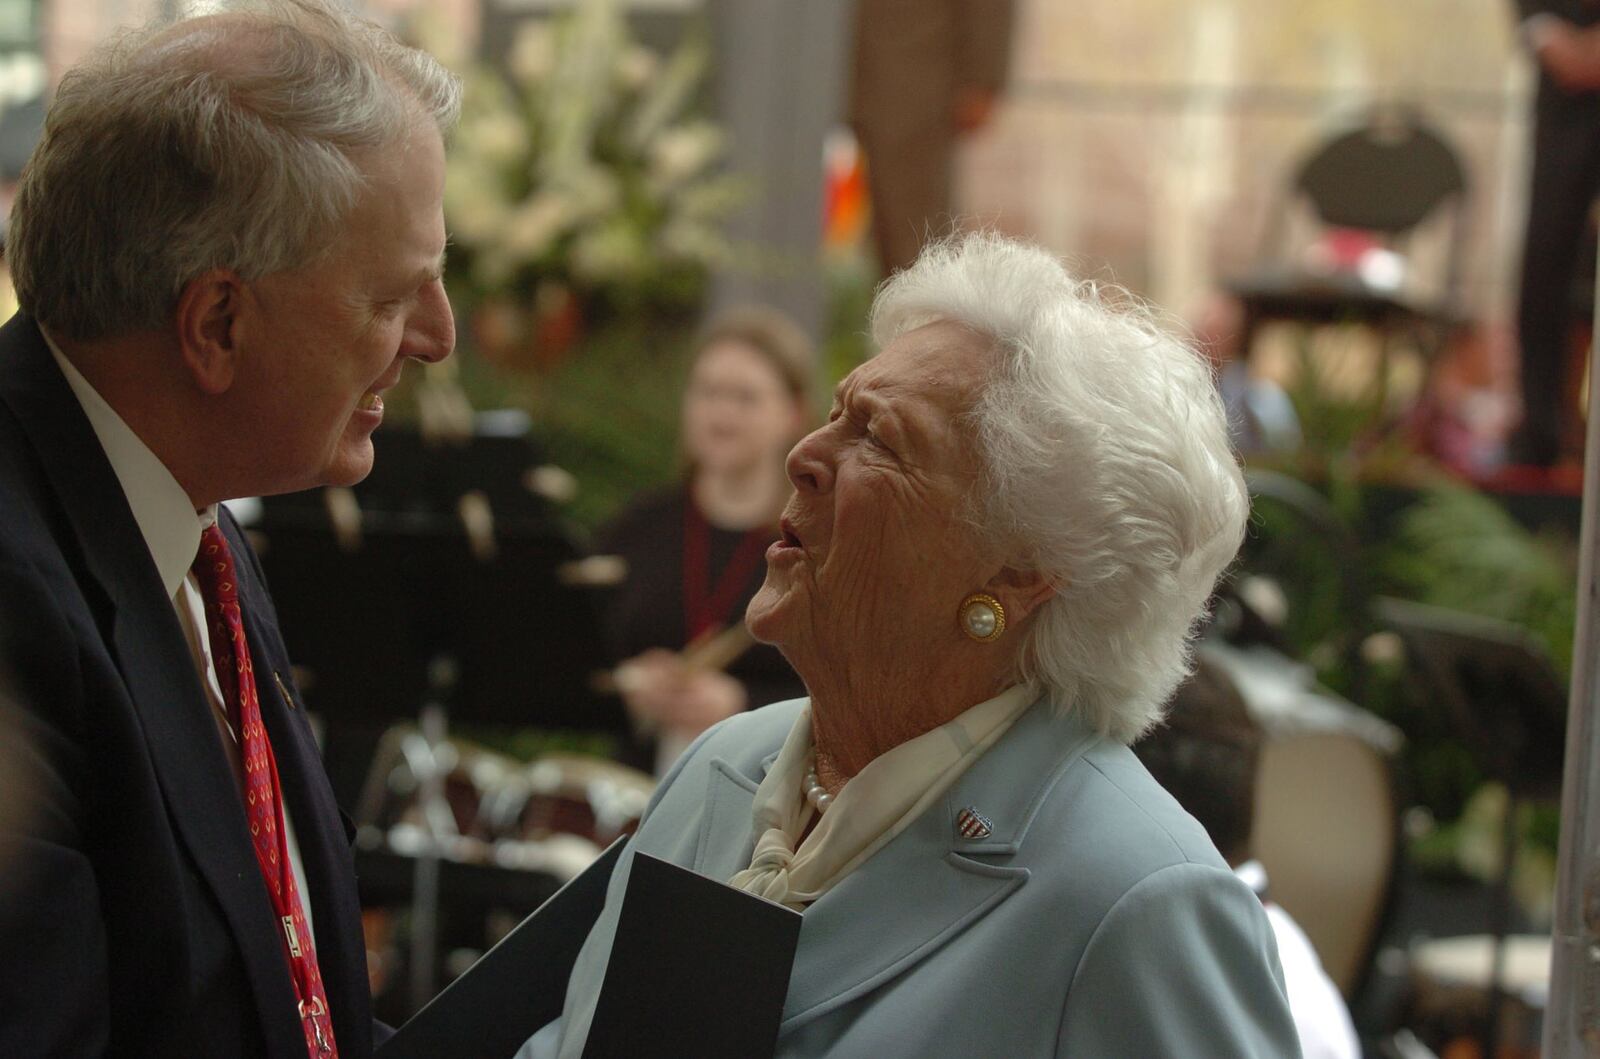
(885, 410)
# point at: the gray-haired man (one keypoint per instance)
(226, 246)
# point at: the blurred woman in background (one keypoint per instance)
(696, 551)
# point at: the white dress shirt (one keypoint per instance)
(171, 528)
(1320, 1017)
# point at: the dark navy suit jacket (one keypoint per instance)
(133, 917)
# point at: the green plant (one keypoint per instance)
(1459, 549)
(617, 439)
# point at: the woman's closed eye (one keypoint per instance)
(860, 424)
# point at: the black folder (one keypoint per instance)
(698, 969)
(517, 986)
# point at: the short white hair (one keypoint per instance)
(229, 141)
(1106, 462)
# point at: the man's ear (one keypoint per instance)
(1022, 591)
(208, 327)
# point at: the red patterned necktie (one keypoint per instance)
(230, 653)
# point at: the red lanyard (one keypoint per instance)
(230, 650)
(707, 605)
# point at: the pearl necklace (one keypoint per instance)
(816, 793)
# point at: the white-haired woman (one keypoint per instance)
(987, 577)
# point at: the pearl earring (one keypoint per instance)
(982, 617)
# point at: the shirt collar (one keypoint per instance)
(170, 525)
(1254, 875)
(893, 790)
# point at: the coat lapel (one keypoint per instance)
(916, 893)
(930, 884)
(727, 833)
(148, 645)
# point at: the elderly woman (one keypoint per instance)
(987, 577)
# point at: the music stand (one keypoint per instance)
(368, 623)
(417, 617)
(417, 475)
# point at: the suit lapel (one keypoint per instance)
(148, 645)
(727, 831)
(888, 915)
(928, 884)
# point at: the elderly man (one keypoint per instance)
(226, 246)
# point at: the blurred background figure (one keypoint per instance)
(1261, 417)
(1565, 41)
(926, 73)
(696, 550)
(1207, 756)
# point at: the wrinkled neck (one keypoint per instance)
(855, 721)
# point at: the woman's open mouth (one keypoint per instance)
(788, 542)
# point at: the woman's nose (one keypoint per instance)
(809, 465)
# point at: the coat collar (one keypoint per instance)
(837, 959)
(148, 646)
(161, 509)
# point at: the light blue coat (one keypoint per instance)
(1096, 921)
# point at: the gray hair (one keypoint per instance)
(228, 141)
(1106, 463)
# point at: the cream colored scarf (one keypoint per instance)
(872, 808)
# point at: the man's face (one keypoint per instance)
(325, 341)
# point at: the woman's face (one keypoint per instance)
(737, 411)
(876, 557)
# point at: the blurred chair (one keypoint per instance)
(1327, 830)
(1455, 979)
(1371, 188)
(1507, 704)
(1327, 811)
(1327, 814)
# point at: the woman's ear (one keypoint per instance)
(208, 328)
(1022, 591)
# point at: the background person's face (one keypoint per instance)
(737, 411)
(326, 340)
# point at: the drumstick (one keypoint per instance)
(714, 649)
(718, 649)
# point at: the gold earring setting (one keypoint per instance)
(982, 617)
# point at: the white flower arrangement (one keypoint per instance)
(581, 163)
